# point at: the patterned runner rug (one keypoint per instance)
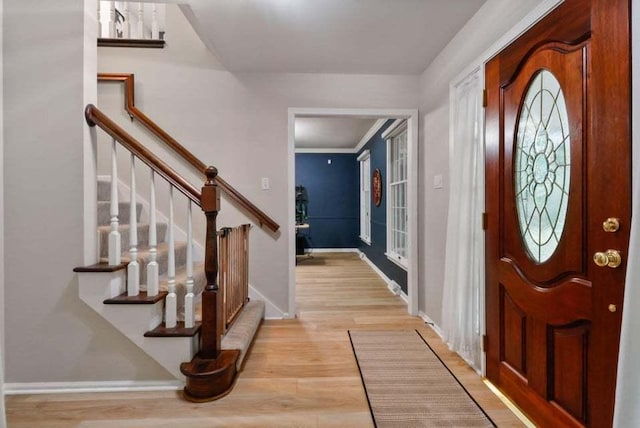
(408, 386)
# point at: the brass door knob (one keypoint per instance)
(610, 258)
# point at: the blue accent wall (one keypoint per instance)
(375, 252)
(334, 198)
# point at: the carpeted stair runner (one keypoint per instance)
(243, 329)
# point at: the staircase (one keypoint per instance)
(192, 316)
(207, 328)
(140, 318)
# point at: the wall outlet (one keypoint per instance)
(265, 183)
(394, 287)
(437, 181)
(328, 161)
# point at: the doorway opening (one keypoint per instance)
(399, 131)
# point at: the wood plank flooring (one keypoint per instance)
(299, 373)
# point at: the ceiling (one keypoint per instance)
(338, 133)
(329, 36)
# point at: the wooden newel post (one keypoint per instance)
(212, 372)
(211, 330)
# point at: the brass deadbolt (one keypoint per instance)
(611, 225)
(613, 308)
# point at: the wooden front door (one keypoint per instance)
(558, 167)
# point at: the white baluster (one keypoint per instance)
(100, 19)
(155, 28)
(126, 27)
(140, 26)
(114, 233)
(152, 266)
(112, 20)
(171, 307)
(133, 268)
(189, 308)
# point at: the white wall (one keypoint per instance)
(238, 122)
(495, 18)
(50, 334)
(2, 411)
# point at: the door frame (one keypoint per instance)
(411, 115)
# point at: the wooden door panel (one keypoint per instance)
(570, 23)
(568, 377)
(567, 301)
(514, 332)
(566, 63)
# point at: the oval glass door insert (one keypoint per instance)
(542, 167)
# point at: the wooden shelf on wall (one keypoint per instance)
(131, 43)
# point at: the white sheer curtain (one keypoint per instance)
(464, 265)
(627, 410)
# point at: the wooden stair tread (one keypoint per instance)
(178, 331)
(210, 379)
(101, 267)
(140, 299)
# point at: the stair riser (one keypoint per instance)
(143, 238)
(104, 190)
(124, 208)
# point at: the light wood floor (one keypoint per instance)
(299, 373)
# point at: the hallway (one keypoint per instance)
(299, 373)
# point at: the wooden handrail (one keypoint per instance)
(129, 105)
(95, 117)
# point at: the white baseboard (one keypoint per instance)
(435, 327)
(271, 311)
(393, 286)
(22, 388)
(404, 297)
(334, 250)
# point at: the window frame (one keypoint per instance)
(391, 135)
(364, 161)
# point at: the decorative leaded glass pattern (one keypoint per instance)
(542, 167)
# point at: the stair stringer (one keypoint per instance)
(133, 320)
